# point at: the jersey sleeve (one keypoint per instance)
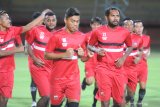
(149, 42)
(17, 30)
(30, 36)
(18, 39)
(140, 44)
(94, 38)
(51, 45)
(128, 40)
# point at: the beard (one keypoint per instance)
(50, 28)
(112, 24)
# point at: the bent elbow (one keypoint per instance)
(46, 56)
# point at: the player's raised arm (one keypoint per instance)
(35, 21)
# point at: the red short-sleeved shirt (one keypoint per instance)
(146, 44)
(38, 38)
(58, 43)
(112, 40)
(8, 40)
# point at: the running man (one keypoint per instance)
(63, 49)
(109, 70)
(40, 69)
(8, 39)
(91, 63)
(142, 72)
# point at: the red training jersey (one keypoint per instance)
(112, 41)
(93, 60)
(8, 40)
(146, 45)
(137, 43)
(38, 38)
(65, 68)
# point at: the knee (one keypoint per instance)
(89, 81)
(142, 85)
(45, 98)
(105, 103)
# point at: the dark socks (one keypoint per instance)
(142, 93)
(55, 105)
(84, 84)
(33, 90)
(73, 104)
(94, 99)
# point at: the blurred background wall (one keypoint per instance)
(146, 10)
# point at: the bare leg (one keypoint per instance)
(43, 102)
(105, 103)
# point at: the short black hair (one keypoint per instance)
(50, 14)
(107, 11)
(2, 12)
(36, 14)
(138, 21)
(72, 11)
(96, 20)
(126, 19)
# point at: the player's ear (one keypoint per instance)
(65, 20)
(0, 20)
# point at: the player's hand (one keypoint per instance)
(38, 62)
(119, 62)
(101, 52)
(80, 51)
(69, 53)
(19, 49)
(136, 59)
(90, 54)
(45, 11)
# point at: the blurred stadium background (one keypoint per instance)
(145, 10)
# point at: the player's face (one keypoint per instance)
(138, 28)
(5, 21)
(72, 23)
(95, 25)
(128, 24)
(113, 18)
(50, 22)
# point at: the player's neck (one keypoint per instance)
(69, 31)
(139, 34)
(2, 28)
(50, 30)
(112, 27)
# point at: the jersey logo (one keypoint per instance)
(55, 97)
(104, 36)
(41, 35)
(135, 44)
(64, 42)
(1, 40)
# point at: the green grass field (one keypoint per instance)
(22, 97)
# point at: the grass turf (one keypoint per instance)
(22, 97)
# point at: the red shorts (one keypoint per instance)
(42, 80)
(142, 72)
(131, 72)
(89, 70)
(6, 83)
(90, 66)
(65, 88)
(110, 84)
